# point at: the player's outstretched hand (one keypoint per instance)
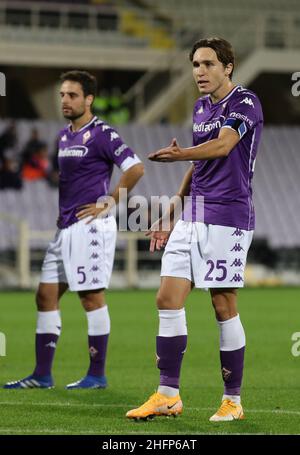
(168, 154)
(93, 211)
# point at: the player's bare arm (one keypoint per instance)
(128, 180)
(210, 150)
(158, 236)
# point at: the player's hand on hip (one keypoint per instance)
(168, 154)
(92, 211)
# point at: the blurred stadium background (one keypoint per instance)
(138, 50)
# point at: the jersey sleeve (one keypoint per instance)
(244, 113)
(116, 150)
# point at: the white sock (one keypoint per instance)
(168, 391)
(172, 323)
(235, 398)
(48, 322)
(98, 321)
(232, 335)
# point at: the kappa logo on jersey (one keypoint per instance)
(200, 110)
(64, 138)
(113, 136)
(224, 105)
(105, 127)
(247, 101)
(86, 137)
(78, 151)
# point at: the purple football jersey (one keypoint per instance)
(86, 159)
(225, 183)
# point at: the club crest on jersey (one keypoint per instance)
(86, 137)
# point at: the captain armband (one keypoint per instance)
(236, 124)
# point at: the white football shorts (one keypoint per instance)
(208, 255)
(82, 255)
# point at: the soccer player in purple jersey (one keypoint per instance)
(81, 255)
(209, 251)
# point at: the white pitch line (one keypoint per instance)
(105, 405)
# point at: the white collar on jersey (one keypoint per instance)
(223, 100)
(84, 126)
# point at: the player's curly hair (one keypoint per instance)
(87, 81)
(222, 48)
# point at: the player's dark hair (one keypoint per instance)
(85, 79)
(222, 48)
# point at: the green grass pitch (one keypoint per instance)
(271, 387)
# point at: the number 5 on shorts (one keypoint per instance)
(80, 271)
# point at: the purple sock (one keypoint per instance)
(232, 365)
(45, 345)
(170, 352)
(97, 350)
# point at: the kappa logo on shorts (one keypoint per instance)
(237, 278)
(237, 263)
(95, 281)
(93, 230)
(238, 232)
(94, 268)
(237, 247)
(94, 256)
(226, 374)
(94, 243)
